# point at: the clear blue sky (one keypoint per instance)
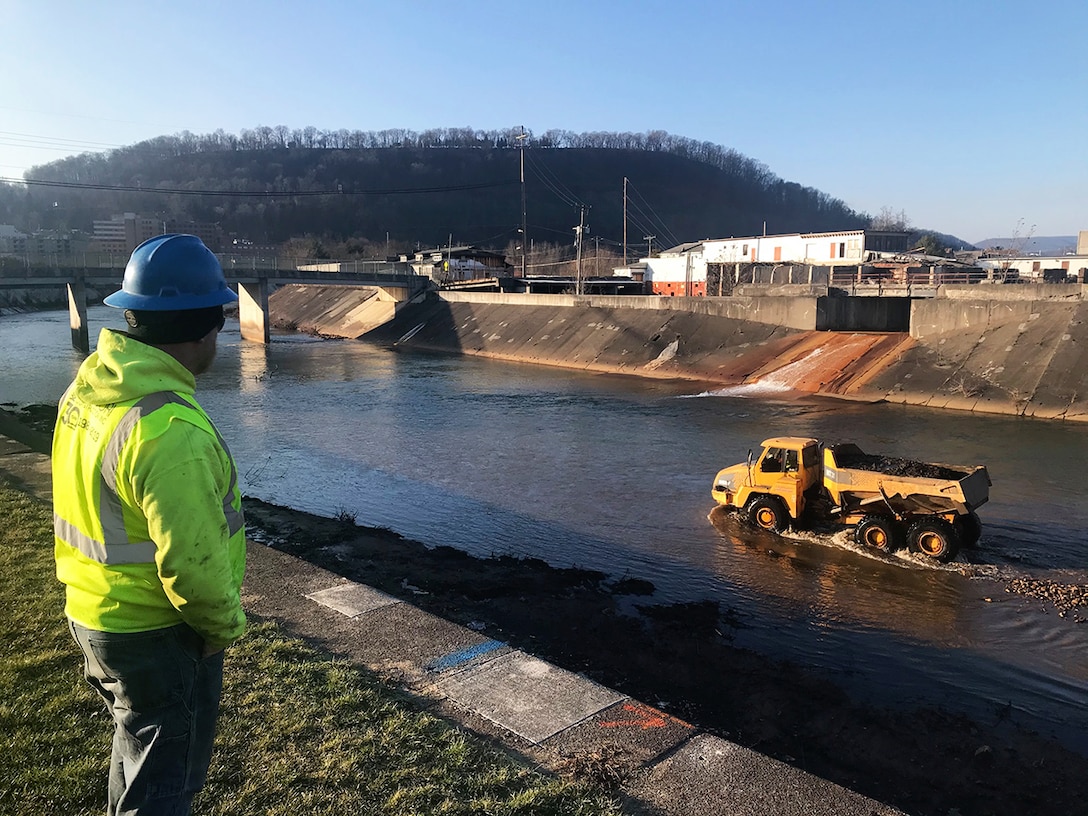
(969, 116)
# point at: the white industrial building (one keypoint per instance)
(682, 270)
(1055, 269)
(1069, 267)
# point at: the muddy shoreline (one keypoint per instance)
(680, 658)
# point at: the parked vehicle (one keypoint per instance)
(887, 501)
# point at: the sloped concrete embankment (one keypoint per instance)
(726, 341)
(331, 311)
(1019, 350)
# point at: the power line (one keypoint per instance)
(61, 143)
(642, 226)
(554, 184)
(71, 185)
(652, 216)
(566, 199)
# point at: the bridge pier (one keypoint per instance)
(77, 315)
(253, 311)
(254, 286)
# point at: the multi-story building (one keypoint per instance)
(12, 242)
(123, 233)
(54, 242)
(41, 244)
(210, 234)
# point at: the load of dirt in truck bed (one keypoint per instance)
(894, 466)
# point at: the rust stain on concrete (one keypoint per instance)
(832, 362)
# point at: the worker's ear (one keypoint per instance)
(209, 337)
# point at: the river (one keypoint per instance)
(613, 473)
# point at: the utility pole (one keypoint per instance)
(578, 232)
(625, 220)
(524, 226)
(649, 245)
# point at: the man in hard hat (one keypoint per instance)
(149, 533)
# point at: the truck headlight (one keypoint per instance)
(724, 485)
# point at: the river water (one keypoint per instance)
(613, 473)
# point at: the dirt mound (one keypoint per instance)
(894, 466)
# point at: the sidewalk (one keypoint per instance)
(546, 714)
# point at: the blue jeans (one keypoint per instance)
(164, 700)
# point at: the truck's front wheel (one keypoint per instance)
(934, 537)
(768, 513)
(878, 533)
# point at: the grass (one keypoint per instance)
(298, 733)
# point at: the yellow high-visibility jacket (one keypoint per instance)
(148, 523)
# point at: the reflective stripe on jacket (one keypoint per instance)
(148, 518)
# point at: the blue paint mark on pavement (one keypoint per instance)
(456, 658)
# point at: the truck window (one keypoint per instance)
(772, 461)
(791, 461)
(810, 455)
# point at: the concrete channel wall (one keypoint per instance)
(791, 311)
(1005, 349)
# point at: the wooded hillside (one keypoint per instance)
(270, 185)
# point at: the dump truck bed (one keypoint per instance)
(855, 479)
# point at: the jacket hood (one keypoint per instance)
(123, 369)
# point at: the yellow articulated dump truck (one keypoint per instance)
(888, 501)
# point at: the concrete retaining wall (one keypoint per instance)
(1008, 355)
(1020, 291)
(713, 340)
(791, 311)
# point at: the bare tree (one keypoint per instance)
(1015, 248)
(889, 219)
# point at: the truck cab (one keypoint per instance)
(772, 485)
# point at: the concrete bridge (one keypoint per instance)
(253, 279)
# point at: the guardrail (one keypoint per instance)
(928, 277)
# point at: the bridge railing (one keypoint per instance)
(36, 266)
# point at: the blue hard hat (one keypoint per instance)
(172, 272)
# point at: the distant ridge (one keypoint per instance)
(1037, 244)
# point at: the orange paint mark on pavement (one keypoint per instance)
(642, 717)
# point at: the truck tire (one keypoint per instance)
(970, 529)
(878, 533)
(768, 513)
(935, 538)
